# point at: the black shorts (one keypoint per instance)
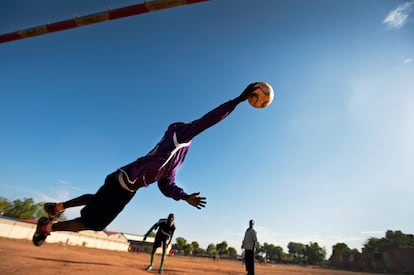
(160, 240)
(107, 203)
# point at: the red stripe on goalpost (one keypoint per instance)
(96, 18)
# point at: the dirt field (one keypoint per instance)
(21, 257)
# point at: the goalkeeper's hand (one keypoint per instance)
(246, 93)
(196, 201)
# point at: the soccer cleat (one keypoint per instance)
(50, 209)
(148, 268)
(39, 236)
(160, 271)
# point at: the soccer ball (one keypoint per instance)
(262, 95)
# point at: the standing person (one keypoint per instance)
(166, 228)
(159, 165)
(249, 243)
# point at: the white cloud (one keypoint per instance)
(407, 60)
(63, 182)
(398, 17)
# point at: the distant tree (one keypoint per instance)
(23, 209)
(259, 249)
(397, 239)
(196, 249)
(222, 248)
(180, 244)
(195, 245)
(340, 251)
(199, 251)
(4, 205)
(271, 251)
(341, 255)
(188, 249)
(392, 240)
(279, 253)
(296, 250)
(354, 251)
(374, 245)
(314, 254)
(211, 249)
(232, 252)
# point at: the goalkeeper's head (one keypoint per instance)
(170, 218)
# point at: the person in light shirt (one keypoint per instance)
(248, 244)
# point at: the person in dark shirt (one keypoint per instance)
(159, 165)
(166, 228)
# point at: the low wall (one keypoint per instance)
(94, 239)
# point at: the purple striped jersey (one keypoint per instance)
(161, 163)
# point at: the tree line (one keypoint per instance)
(25, 209)
(300, 253)
(310, 253)
(393, 240)
(21, 209)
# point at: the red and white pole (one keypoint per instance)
(96, 18)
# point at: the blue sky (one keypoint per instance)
(331, 160)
